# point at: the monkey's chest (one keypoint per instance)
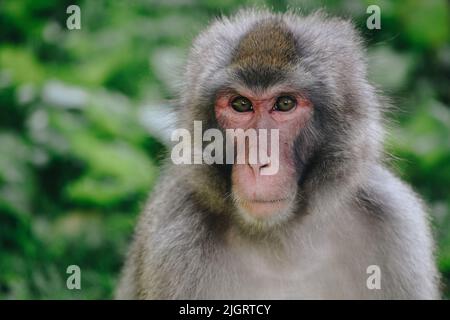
(319, 274)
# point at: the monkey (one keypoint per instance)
(333, 212)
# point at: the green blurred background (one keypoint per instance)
(80, 110)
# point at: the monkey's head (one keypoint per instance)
(305, 77)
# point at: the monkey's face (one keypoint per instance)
(263, 93)
(265, 189)
(274, 77)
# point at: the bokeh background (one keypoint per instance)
(82, 114)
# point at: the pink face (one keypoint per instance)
(262, 196)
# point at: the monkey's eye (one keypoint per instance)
(241, 104)
(285, 103)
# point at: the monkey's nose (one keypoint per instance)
(259, 166)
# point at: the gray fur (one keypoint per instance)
(351, 212)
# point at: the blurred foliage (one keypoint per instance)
(77, 160)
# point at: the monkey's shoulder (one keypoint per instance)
(394, 218)
(172, 210)
(385, 197)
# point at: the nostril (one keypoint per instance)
(256, 168)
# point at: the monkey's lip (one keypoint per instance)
(263, 208)
(266, 201)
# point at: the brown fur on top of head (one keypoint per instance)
(267, 45)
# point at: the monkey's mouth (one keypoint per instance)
(268, 201)
(263, 208)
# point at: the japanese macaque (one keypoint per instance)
(332, 223)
